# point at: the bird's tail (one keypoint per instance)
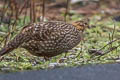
(13, 44)
(4, 51)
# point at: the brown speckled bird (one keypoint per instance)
(47, 39)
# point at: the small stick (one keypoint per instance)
(24, 5)
(31, 11)
(43, 10)
(67, 9)
(24, 21)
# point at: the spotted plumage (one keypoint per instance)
(47, 39)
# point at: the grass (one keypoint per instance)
(95, 37)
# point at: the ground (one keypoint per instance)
(103, 30)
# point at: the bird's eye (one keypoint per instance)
(85, 23)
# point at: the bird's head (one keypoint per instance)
(81, 25)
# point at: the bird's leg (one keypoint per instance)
(61, 60)
(1, 58)
(46, 58)
(65, 54)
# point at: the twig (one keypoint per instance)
(32, 11)
(113, 31)
(100, 52)
(3, 11)
(24, 5)
(43, 10)
(7, 37)
(111, 49)
(112, 37)
(25, 16)
(67, 9)
(109, 43)
(34, 15)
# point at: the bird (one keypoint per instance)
(47, 39)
